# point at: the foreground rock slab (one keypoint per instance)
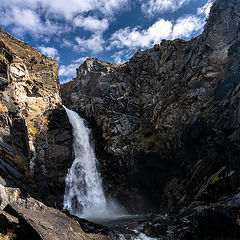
(7, 221)
(45, 223)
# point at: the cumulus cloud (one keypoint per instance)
(28, 21)
(50, 52)
(205, 10)
(46, 16)
(135, 37)
(80, 60)
(111, 7)
(184, 27)
(68, 72)
(162, 29)
(25, 18)
(122, 56)
(151, 7)
(94, 44)
(91, 24)
(70, 8)
(66, 43)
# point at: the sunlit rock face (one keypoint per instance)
(31, 81)
(164, 119)
(30, 107)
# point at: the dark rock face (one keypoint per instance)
(168, 120)
(60, 155)
(14, 176)
(7, 221)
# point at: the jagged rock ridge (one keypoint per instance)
(168, 120)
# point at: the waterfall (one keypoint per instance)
(84, 195)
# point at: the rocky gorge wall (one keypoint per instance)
(166, 127)
(167, 121)
(31, 135)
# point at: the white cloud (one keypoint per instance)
(68, 71)
(68, 9)
(94, 44)
(25, 18)
(129, 39)
(135, 37)
(50, 52)
(66, 43)
(112, 6)
(91, 24)
(43, 18)
(80, 60)
(151, 7)
(122, 56)
(205, 9)
(118, 57)
(184, 27)
(28, 21)
(65, 80)
(40, 17)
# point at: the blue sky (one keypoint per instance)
(111, 30)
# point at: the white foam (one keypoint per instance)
(84, 196)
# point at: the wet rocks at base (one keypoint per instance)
(199, 221)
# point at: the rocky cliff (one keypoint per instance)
(166, 126)
(30, 131)
(168, 120)
(35, 146)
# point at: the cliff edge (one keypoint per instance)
(168, 120)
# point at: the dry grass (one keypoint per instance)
(3, 108)
(8, 236)
(36, 126)
(17, 160)
(3, 58)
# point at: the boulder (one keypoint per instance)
(7, 221)
(38, 221)
(217, 222)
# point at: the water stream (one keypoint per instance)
(84, 195)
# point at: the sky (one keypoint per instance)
(111, 30)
